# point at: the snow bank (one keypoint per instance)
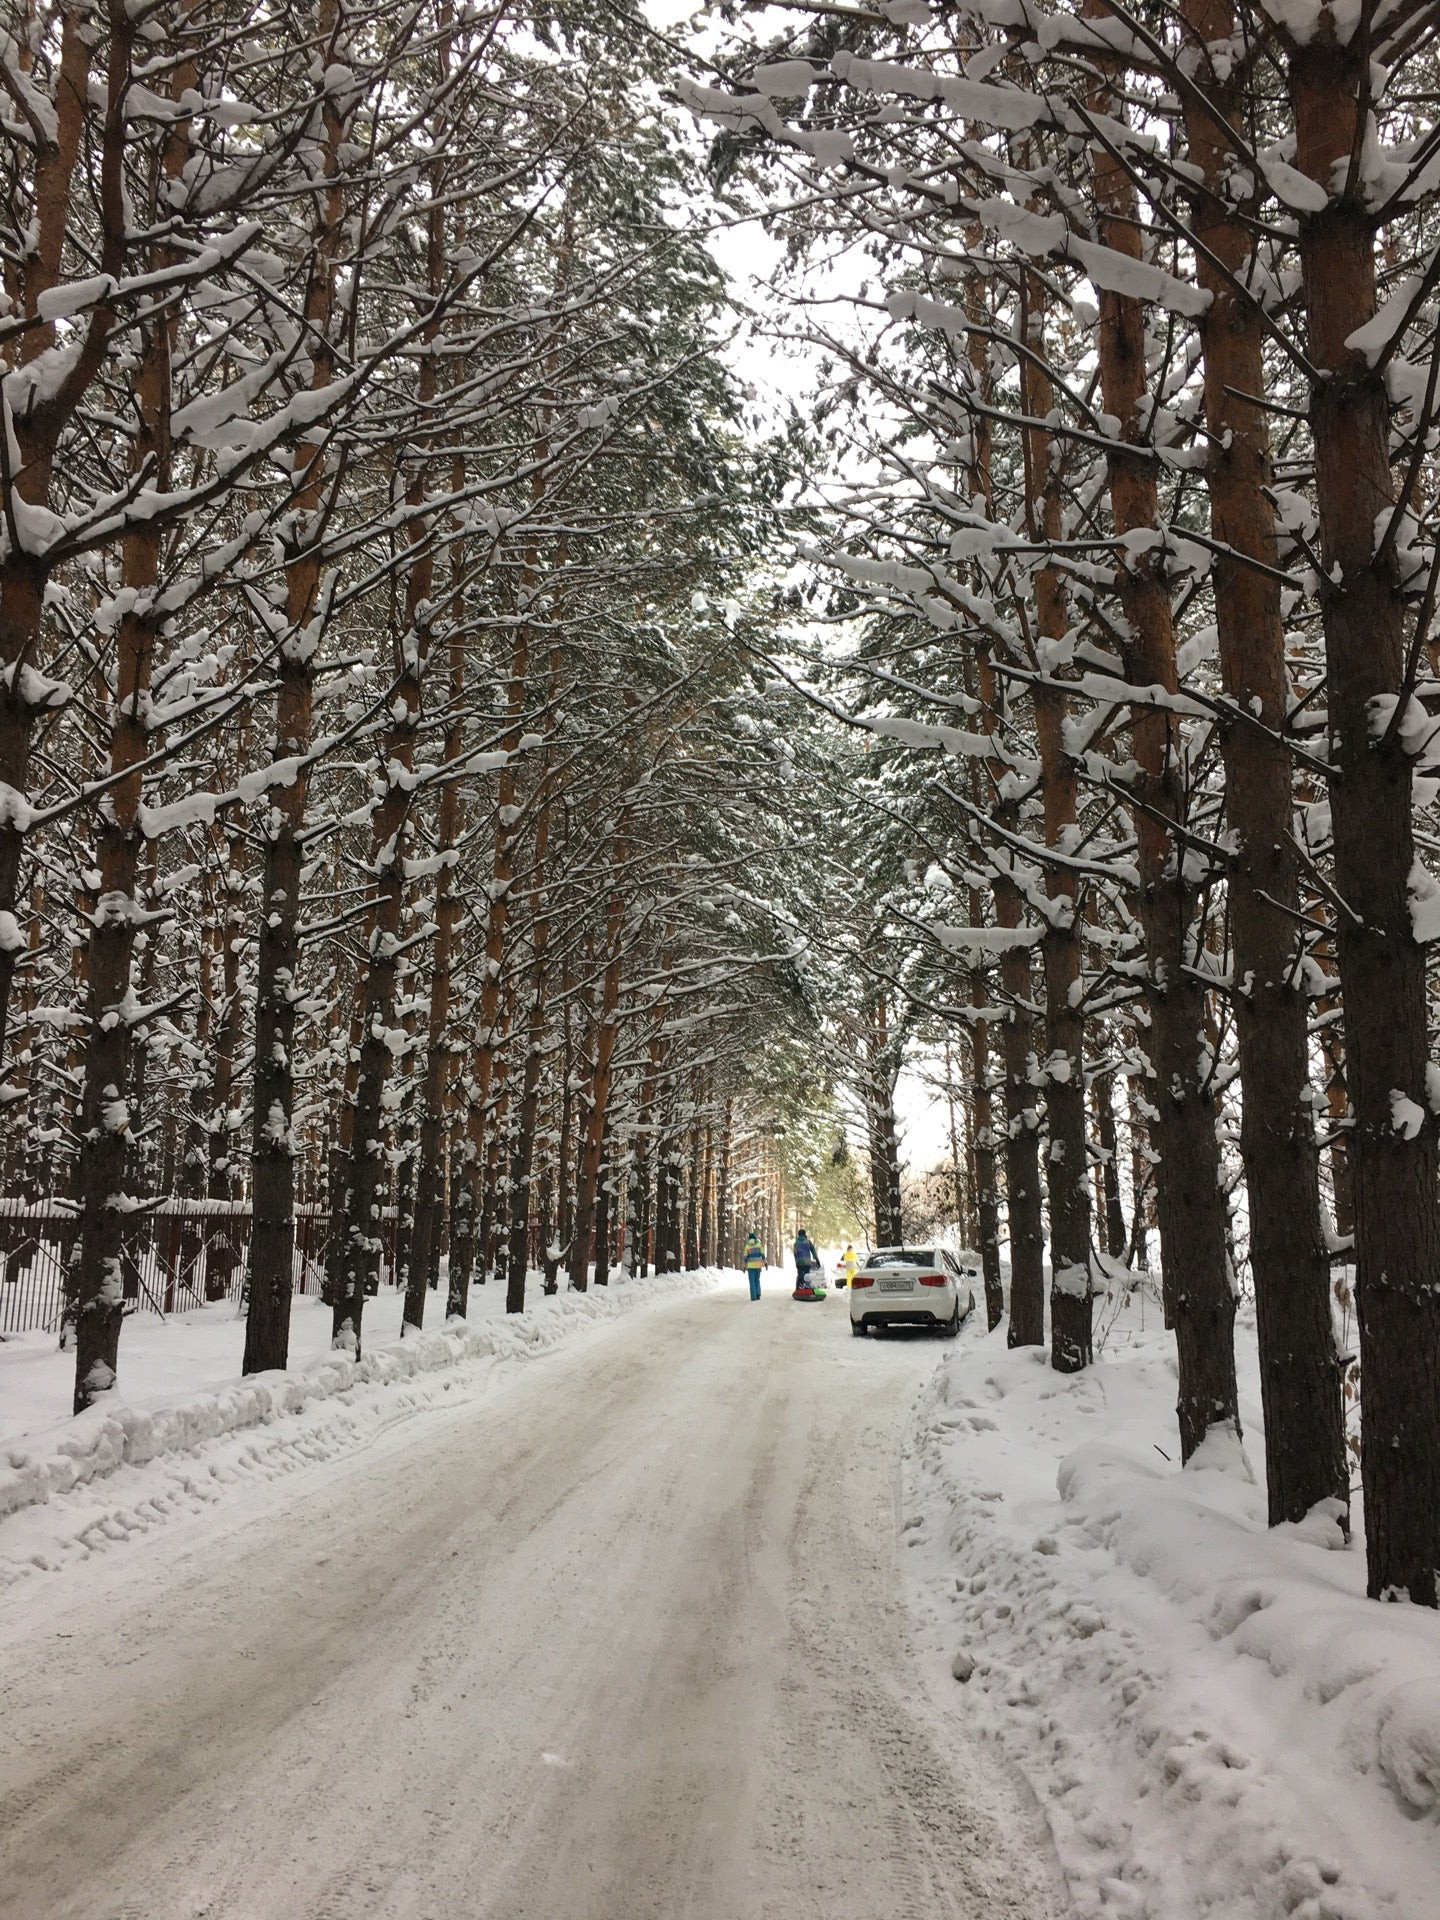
(1216, 1719)
(272, 1422)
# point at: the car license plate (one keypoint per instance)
(896, 1286)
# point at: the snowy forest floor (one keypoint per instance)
(665, 1623)
(1215, 1718)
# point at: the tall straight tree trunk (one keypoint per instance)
(1197, 1276)
(666, 1201)
(338, 1158)
(38, 431)
(222, 1119)
(106, 1118)
(1067, 1175)
(1337, 1112)
(545, 1223)
(429, 1179)
(602, 1216)
(1021, 1150)
(277, 976)
(563, 1141)
(607, 1029)
(641, 1179)
(194, 1163)
(1142, 1182)
(1382, 967)
(884, 1143)
(465, 1201)
(107, 1123)
(707, 1198)
(522, 1161)
(381, 1037)
(694, 1187)
(955, 1134)
(528, 1118)
(1017, 1051)
(987, 1204)
(1299, 1362)
(1022, 1124)
(724, 1193)
(401, 1159)
(644, 1213)
(385, 1039)
(494, 1191)
(430, 1184)
(1102, 1093)
(667, 1204)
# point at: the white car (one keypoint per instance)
(911, 1287)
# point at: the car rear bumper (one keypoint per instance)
(919, 1307)
(904, 1317)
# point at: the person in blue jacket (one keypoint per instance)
(806, 1258)
(754, 1264)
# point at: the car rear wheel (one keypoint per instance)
(949, 1328)
(857, 1327)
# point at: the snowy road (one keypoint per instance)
(624, 1639)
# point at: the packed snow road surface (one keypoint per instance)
(624, 1639)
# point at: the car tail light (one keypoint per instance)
(863, 1280)
(932, 1279)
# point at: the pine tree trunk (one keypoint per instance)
(884, 1144)
(1102, 1093)
(1299, 1363)
(108, 1124)
(605, 1036)
(724, 1202)
(403, 1155)
(272, 1144)
(1382, 968)
(692, 1198)
(38, 430)
(563, 1148)
(430, 1194)
(602, 1221)
(1337, 1113)
(1067, 1162)
(194, 1160)
(270, 1274)
(528, 1118)
(987, 1205)
(660, 1228)
(667, 1206)
(1022, 1141)
(1022, 1128)
(707, 1199)
(644, 1213)
(546, 1224)
(1191, 1208)
(222, 1253)
(361, 1225)
(386, 1039)
(106, 1120)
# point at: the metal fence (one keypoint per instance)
(176, 1254)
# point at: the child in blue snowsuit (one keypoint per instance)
(754, 1264)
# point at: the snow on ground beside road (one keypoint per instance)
(1219, 1724)
(183, 1424)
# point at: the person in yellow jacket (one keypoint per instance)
(849, 1262)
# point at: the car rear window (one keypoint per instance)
(902, 1257)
